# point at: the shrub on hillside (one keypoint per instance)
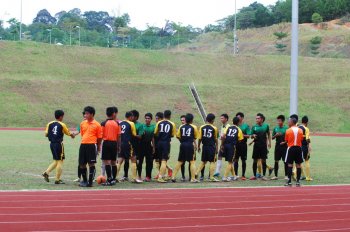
(316, 18)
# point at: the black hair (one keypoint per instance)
(210, 118)
(305, 119)
(135, 113)
(294, 120)
(115, 109)
(225, 116)
(295, 116)
(90, 110)
(149, 115)
(110, 111)
(235, 121)
(128, 114)
(167, 114)
(59, 113)
(183, 116)
(240, 114)
(281, 117)
(189, 118)
(160, 115)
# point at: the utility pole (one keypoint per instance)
(20, 24)
(294, 59)
(235, 31)
(49, 30)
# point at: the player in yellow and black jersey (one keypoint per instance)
(232, 135)
(187, 134)
(208, 136)
(55, 131)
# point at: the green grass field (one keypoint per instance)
(36, 79)
(24, 155)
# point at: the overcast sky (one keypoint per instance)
(142, 12)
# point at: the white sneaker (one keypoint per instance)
(234, 178)
(274, 178)
(77, 180)
(228, 179)
(286, 178)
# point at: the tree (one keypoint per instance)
(121, 21)
(315, 44)
(246, 18)
(14, 27)
(44, 17)
(306, 9)
(99, 21)
(316, 18)
(279, 45)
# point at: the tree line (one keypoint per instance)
(257, 15)
(98, 28)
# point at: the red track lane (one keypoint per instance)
(288, 209)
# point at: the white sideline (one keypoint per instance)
(160, 189)
(202, 226)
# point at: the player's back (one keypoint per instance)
(187, 133)
(110, 130)
(208, 134)
(306, 133)
(294, 136)
(54, 131)
(128, 131)
(165, 130)
(233, 135)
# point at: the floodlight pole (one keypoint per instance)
(235, 31)
(20, 24)
(294, 59)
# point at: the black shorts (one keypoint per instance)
(242, 151)
(280, 152)
(186, 152)
(260, 151)
(306, 154)
(136, 147)
(229, 152)
(146, 150)
(87, 153)
(163, 149)
(57, 150)
(294, 154)
(109, 150)
(208, 154)
(126, 151)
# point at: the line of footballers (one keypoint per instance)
(129, 141)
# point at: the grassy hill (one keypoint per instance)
(261, 41)
(37, 78)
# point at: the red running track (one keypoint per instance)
(313, 209)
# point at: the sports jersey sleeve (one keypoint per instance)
(274, 132)
(307, 134)
(240, 135)
(224, 132)
(200, 133)
(133, 129)
(195, 132)
(178, 134)
(65, 129)
(174, 129)
(216, 132)
(82, 132)
(156, 129)
(99, 132)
